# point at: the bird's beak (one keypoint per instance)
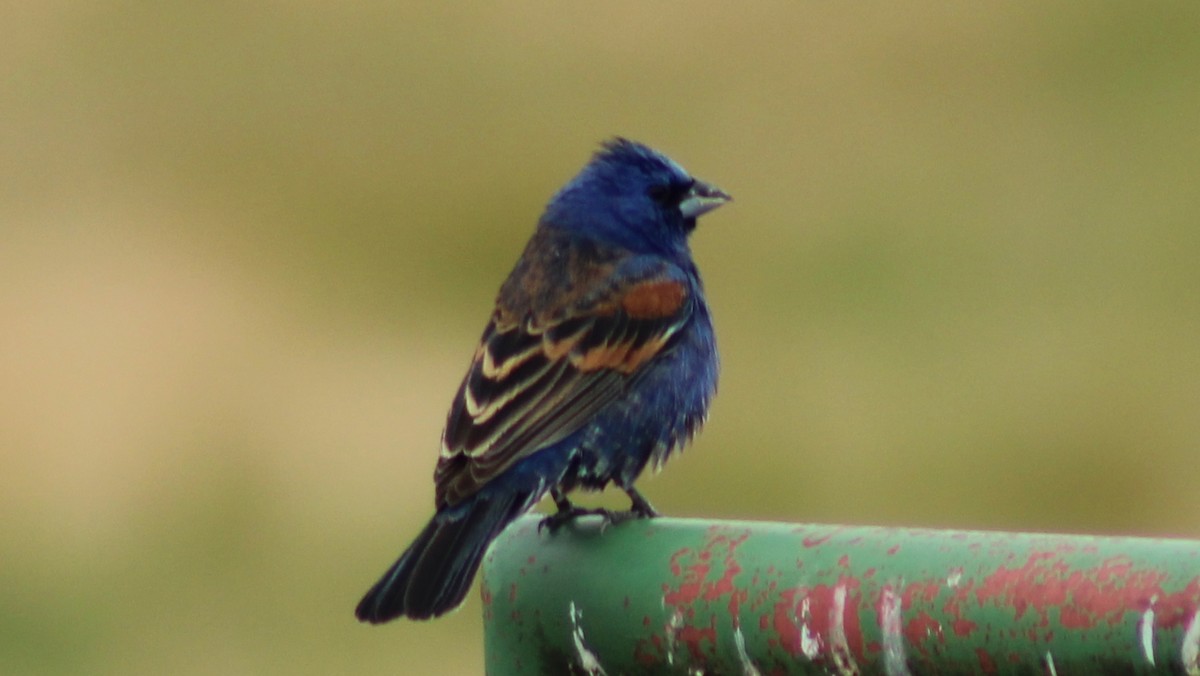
(701, 199)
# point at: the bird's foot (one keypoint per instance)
(560, 518)
(640, 509)
(567, 511)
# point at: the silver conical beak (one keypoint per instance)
(701, 199)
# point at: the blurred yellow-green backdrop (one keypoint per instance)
(246, 250)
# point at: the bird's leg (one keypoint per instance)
(641, 506)
(561, 501)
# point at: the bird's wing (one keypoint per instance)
(541, 374)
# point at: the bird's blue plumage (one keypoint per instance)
(598, 360)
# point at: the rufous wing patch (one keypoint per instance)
(654, 299)
(626, 356)
(605, 356)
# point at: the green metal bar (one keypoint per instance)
(661, 596)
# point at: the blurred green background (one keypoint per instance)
(247, 251)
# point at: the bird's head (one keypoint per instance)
(634, 196)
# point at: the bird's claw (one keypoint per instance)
(563, 516)
(609, 517)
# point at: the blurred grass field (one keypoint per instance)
(247, 251)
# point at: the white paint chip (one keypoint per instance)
(671, 629)
(810, 643)
(748, 668)
(587, 659)
(843, 659)
(1146, 629)
(1189, 653)
(894, 660)
(954, 578)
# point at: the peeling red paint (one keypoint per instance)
(967, 601)
(986, 664)
(786, 620)
(695, 638)
(820, 621)
(645, 657)
(853, 627)
(1084, 598)
(696, 583)
(817, 541)
(736, 599)
(676, 568)
(962, 627)
(1173, 611)
(922, 628)
(724, 585)
(953, 606)
(1081, 598)
(649, 652)
(689, 588)
(920, 592)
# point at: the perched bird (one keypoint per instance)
(599, 358)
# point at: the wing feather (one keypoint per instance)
(539, 376)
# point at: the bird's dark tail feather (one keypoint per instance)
(433, 575)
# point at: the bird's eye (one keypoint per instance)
(659, 193)
(668, 193)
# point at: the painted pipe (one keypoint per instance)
(662, 596)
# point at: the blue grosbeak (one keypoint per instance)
(598, 359)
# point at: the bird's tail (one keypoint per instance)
(434, 574)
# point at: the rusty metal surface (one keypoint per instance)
(684, 596)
